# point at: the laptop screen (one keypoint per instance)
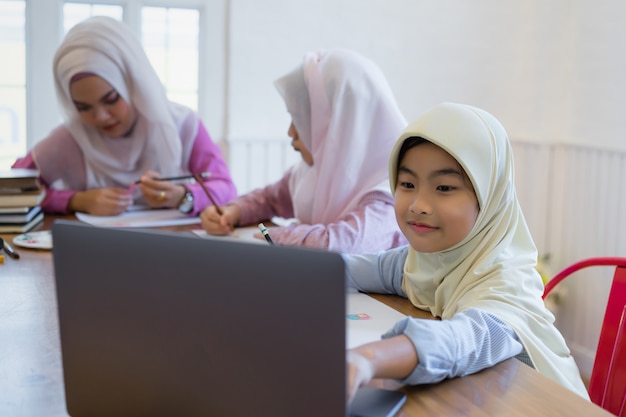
(157, 323)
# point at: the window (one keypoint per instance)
(182, 38)
(12, 82)
(28, 104)
(75, 12)
(170, 39)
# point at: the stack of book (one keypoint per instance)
(20, 198)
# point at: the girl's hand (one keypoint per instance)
(392, 358)
(359, 371)
(215, 224)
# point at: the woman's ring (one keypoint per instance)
(162, 195)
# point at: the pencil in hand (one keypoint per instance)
(180, 177)
(199, 178)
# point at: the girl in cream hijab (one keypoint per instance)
(344, 123)
(470, 260)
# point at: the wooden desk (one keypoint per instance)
(31, 381)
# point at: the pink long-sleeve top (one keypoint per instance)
(370, 228)
(205, 156)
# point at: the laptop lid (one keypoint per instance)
(157, 323)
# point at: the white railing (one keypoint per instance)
(256, 163)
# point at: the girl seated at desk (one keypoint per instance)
(470, 261)
(120, 128)
(344, 122)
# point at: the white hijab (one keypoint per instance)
(493, 268)
(346, 115)
(107, 48)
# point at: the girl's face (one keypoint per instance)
(298, 145)
(435, 202)
(100, 106)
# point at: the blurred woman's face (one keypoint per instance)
(100, 106)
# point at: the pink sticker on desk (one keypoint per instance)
(358, 316)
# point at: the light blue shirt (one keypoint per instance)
(469, 342)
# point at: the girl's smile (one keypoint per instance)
(422, 228)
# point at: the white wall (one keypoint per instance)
(549, 70)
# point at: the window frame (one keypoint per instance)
(44, 32)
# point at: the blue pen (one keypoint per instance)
(266, 233)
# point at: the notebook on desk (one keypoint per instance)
(159, 323)
(367, 319)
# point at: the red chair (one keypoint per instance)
(607, 385)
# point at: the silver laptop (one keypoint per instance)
(157, 323)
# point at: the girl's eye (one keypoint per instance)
(406, 185)
(444, 188)
(81, 108)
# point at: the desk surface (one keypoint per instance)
(31, 379)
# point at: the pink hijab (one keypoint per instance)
(346, 115)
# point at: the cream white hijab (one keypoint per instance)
(346, 115)
(107, 48)
(492, 269)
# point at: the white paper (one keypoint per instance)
(375, 319)
(283, 222)
(141, 218)
(240, 233)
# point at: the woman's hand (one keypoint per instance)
(160, 194)
(108, 201)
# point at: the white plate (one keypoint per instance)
(36, 240)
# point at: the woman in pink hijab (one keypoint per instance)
(120, 128)
(345, 121)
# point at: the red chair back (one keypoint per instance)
(607, 385)
(614, 399)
